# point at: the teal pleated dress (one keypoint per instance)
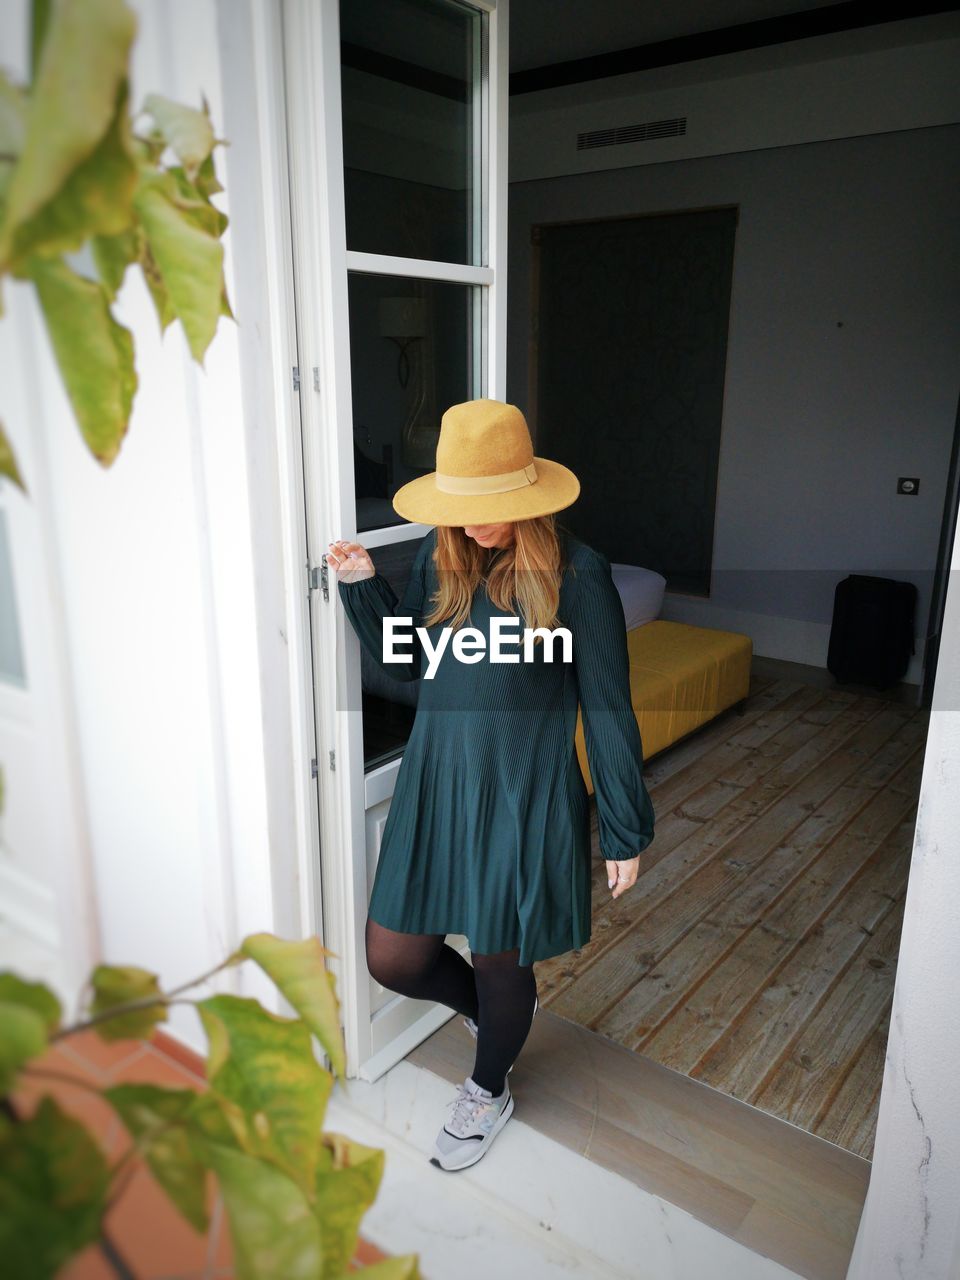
(488, 831)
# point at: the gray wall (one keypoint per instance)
(843, 365)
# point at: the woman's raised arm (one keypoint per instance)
(369, 599)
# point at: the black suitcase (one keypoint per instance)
(871, 637)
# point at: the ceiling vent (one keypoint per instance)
(647, 132)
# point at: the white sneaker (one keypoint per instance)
(472, 1026)
(476, 1119)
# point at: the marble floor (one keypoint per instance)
(531, 1209)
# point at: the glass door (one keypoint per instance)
(398, 129)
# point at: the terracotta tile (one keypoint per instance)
(86, 1046)
(151, 1067)
(89, 1265)
(172, 1048)
(92, 1111)
(367, 1253)
(153, 1237)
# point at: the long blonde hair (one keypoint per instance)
(522, 578)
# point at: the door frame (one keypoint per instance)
(321, 265)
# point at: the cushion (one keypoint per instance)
(641, 591)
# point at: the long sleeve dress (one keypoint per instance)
(488, 831)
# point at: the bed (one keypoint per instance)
(681, 676)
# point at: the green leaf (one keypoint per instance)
(298, 970)
(272, 1228)
(13, 109)
(266, 1065)
(8, 461)
(113, 254)
(348, 1178)
(158, 290)
(187, 131)
(94, 352)
(96, 198)
(53, 1188)
(32, 995)
(225, 309)
(206, 181)
(215, 1118)
(73, 102)
(39, 22)
(158, 1120)
(406, 1267)
(189, 259)
(23, 1035)
(115, 985)
(195, 205)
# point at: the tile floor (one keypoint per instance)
(153, 1239)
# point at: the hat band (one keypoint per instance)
(501, 483)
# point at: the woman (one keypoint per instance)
(488, 831)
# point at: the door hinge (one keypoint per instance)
(319, 577)
(313, 768)
(296, 378)
(316, 378)
(333, 760)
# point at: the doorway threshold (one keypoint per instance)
(533, 1207)
(727, 1171)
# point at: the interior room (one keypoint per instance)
(732, 310)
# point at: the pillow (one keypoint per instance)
(641, 591)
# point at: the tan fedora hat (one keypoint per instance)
(486, 471)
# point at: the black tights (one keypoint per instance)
(496, 991)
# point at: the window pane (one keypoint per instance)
(411, 356)
(410, 96)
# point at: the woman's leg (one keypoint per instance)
(507, 991)
(421, 965)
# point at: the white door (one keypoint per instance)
(47, 918)
(397, 115)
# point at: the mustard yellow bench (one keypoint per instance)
(680, 677)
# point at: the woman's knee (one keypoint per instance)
(398, 961)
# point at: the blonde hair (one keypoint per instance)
(524, 577)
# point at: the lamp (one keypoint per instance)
(403, 321)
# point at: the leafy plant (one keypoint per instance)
(294, 1195)
(77, 178)
(84, 195)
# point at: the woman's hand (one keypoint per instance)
(351, 561)
(621, 875)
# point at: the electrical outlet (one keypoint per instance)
(908, 484)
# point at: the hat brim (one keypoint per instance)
(555, 487)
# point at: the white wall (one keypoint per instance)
(910, 1229)
(842, 365)
(174, 582)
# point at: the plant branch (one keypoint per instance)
(115, 1257)
(146, 1002)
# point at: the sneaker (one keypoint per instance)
(472, 1026)
(476, 1119)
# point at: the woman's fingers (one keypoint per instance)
(350, 559)
(621, 875)
(342, 549)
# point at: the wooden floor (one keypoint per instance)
(720, 1040)
(757, 951)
